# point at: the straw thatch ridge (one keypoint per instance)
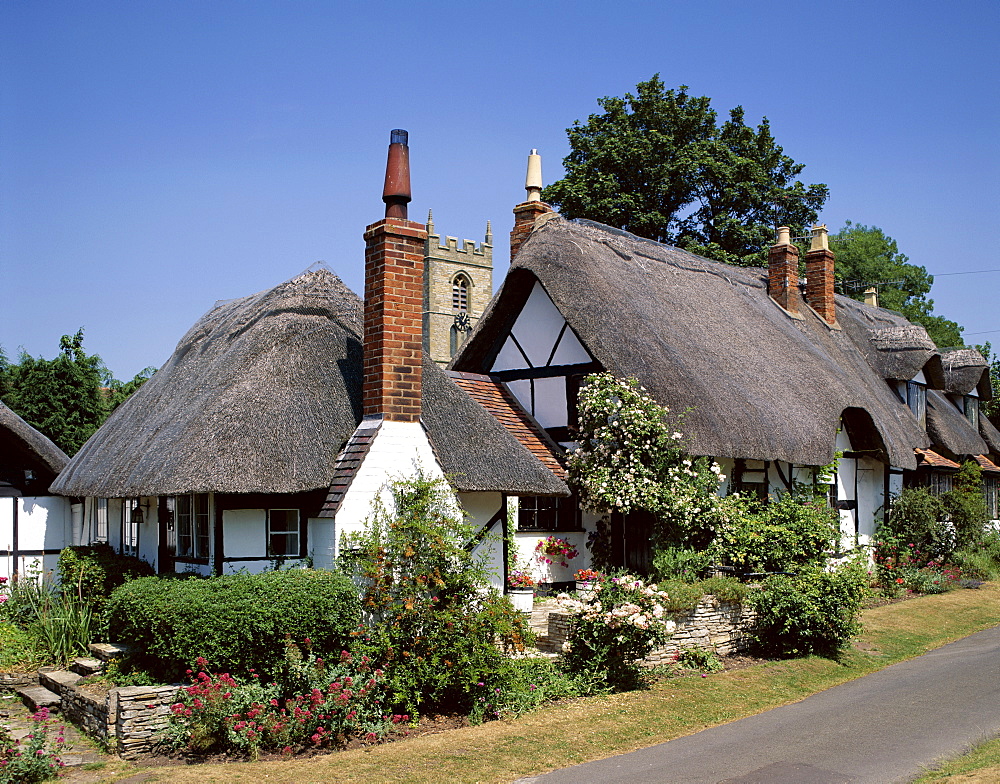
(704, 337)
(261, 395)
(949, 428)
(965, 370)
(23, 445)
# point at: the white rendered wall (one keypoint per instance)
(398, 451)
(244, 533)
(43, 523)
(479, 509)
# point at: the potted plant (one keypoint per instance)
(521, 590)
(586, 580)
(553, 549)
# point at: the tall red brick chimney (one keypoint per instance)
(526, 212)
(783, 271)
(819, 276)
(394, 277)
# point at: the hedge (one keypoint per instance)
(239, 623)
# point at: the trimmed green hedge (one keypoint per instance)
(238, 622)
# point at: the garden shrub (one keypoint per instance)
(32, 758)
(813, 612)
(92, 572)
(917, 517)
(522, 685)
(680, 596)
(786, 534)
(343, 699)
(432, 622)
(700, 660)
(980, 560)
(681, 563)
(236, 622)
(613, 630)
(965, 504)
(725, 589)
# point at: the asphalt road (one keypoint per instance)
(884, 727)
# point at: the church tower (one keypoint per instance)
(458, 284)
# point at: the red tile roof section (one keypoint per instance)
(503, 406)
(935, 460)
(987, 465)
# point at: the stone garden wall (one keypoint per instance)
(712, 625)
(127, 718)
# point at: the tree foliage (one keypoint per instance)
(659, 165)
(992, 407)
(866, 256)
(67, 398)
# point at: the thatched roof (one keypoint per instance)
(704, 336)
(23, 447)
(261, 395)
(948, 427)
(900, 351)
(990, 434)
(965, 370)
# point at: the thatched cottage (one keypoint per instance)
(776, 378)
(269, 432)
(34, 525)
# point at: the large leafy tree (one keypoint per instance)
(67, 398)
(867, 256)
(659, 165)
(992, 408)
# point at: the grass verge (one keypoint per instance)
(599, 727)
(979, 766)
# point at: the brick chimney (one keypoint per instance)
(394, 278)
(526, 212)
(819, 276)
(783, 271)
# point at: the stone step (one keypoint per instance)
(106, 651)
(35, 697)
(56, 680)
(85, 665)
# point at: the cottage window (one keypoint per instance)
(991, 489)
(460, 293)
(939, 482)
(283, 529)
(544, 513)
(99, 520)
(131, 520)
(192, 519)
(972, 410)
(916, 399)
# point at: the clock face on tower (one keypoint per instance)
(462, 322)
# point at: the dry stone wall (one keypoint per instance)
(128, 718)
(713, 625)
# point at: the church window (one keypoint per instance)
(460, 293)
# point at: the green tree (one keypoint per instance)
(66, 398)
(866, 256)
(658, 164)
(992, 407)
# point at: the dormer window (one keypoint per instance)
(916, 399)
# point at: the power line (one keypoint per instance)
(987, 332)
(973, 272)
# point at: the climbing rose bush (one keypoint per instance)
(631, 455)
(613, 629)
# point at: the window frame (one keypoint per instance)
(192, 526)
(556, 512)
(971, 410)
(461, 295)
(270, 532)
(916, 401)
(131, 519)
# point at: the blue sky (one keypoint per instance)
(158, 156)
